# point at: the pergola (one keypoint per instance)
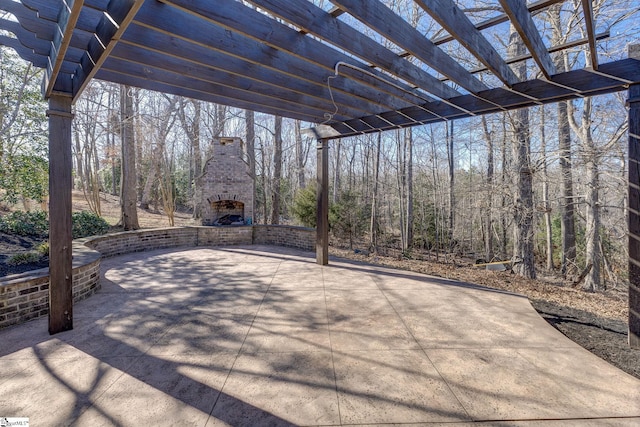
(351, 68)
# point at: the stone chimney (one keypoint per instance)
(226, 185)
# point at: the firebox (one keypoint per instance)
(226, 187)
(228, 212)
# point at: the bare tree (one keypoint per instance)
(128, 194)
(277, 171)
(486, 221)
(408, 135)
(191, 125)
(591, 155)
(301, 155)
(250, 148)
(546, 206)
(568, 228)
(374, 225)
(523, 243)
(160, 124)
(86, 135)
(336, 171)
(451, 169)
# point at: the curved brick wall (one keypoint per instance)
(26, 296)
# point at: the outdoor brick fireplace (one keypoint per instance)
(226, 185)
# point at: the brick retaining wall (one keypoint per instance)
(26, 296)
(277, 235)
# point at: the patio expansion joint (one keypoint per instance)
(333, 363)
(444, 380)
(244, 339)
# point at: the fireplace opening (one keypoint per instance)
(227, 212)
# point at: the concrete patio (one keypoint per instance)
(264, 336)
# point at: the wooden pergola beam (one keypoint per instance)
(612, 77)
(589, 23)
(44, 14)
(113, 24)
(523, 22)
(216, 85)
(634, 207)
(188, 38)
(534, 7)
(380, 18)
(266, 88)
(314, 20)
(452, 19)
(557, 48)
(66, 22)
(273, 34)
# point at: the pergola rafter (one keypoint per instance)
(452, 19)
(241, 54)
(298, 60)
(523, 22)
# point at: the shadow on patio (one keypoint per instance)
(264, 336)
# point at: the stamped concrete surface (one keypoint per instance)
(249, 336)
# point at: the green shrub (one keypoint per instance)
(24, 258)
(25, 223)
(87, 224)
(43, 249)
(36, 224)
(305, 206)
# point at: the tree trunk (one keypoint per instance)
(408, 134)
(568, 229)
(336, 172)
(567, 224)
(192, 128)
(452, 194)
(546, 206)
(128, 194)
(438, 221)
(79, 165)
(277, 171)
(114, 128)
(300, 156)
(373, 230)
(503, 199)
(250, 147)
(265, 184)
(523, 244)
(589, 152)
(486, 217)
(156, 158)
(401, 187)
(195, 139)
(196, 152)
(593, 254)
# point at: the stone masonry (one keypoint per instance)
(226, 185)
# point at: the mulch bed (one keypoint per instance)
(11, 245)
(606, 338)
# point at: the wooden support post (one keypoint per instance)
(322, 198)
(634, 208)
(60, 279)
